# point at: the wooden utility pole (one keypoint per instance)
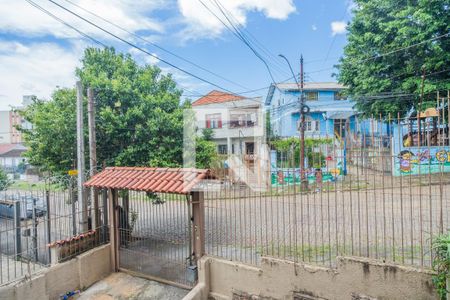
(304, 182)
(93, 153)
(80, 158)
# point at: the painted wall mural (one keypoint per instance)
(414, 161)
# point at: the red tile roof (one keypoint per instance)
(216, 97)
(159, 180)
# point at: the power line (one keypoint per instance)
(274, 59)
(156, 45)
(239, 36)
(388, 53)
(137, 47)
(65, 23)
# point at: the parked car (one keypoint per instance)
(26, 206)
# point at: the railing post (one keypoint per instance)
(105, 215)
(49, 231)
(198, 224)
(18, 239)
(112, 204)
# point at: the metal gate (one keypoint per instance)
(154, 236)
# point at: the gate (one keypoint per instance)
(155, 238)
(156, 217)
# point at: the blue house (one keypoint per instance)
(331, 113)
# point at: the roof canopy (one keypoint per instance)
(160, 180)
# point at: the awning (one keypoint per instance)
(158, 180)
(340, 114)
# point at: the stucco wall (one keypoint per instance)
(354, 278)
(75, 274)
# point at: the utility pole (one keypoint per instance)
(80, 158)
(304, 182)
(303, 110)
(93, 153)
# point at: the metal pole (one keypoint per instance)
(35, 243)
(74, 215)
(18, 238)
(49, 231)
(93, 153)
(105, 214)
(304, 182)
(80, 158)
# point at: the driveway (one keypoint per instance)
(120, 286)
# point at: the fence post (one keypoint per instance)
(105, 215)
(74, 216)
(49, 231)
(112, 204)
(18, 238)
(198, 224)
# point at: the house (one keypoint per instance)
(11, 156)
(330, 111)
(237, 121)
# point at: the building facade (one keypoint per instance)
(330, 112)
(237, 122)
(10, 120)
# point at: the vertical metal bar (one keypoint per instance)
(18, 237)
(419, 131)
(35, 234)
(400, 134)
(74, 218)
(392, 187)
(49, 223)
(430, 197)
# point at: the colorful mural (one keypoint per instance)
(414, 161)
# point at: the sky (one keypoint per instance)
(39, 54)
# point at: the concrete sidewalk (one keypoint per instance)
(120, 286)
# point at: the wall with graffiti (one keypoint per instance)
(422, 161)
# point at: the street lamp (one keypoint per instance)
(303, 110)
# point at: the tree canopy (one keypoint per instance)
(138, 114)
(390, 44)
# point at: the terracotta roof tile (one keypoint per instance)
(216, 97)
(166, 180)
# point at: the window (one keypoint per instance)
(311, 96)
(222, 149)
(339, 96)
(310, 125)
(243, 120)
(213, 121)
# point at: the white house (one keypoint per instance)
(237, 122)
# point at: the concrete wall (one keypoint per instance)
(354, 278)
(75, 274)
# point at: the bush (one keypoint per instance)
(441, 264)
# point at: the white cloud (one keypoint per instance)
(202, 23)
(314, 27)
(143, 57)
(35, 69)
(19, 17)
(338, 27)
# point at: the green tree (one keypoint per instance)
(207, 134)
(389, 45)
(138, 114)
(205, 153)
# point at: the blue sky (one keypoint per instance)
(37, 53)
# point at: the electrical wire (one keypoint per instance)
(156, 45)
(240, 37)
(137, 47)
